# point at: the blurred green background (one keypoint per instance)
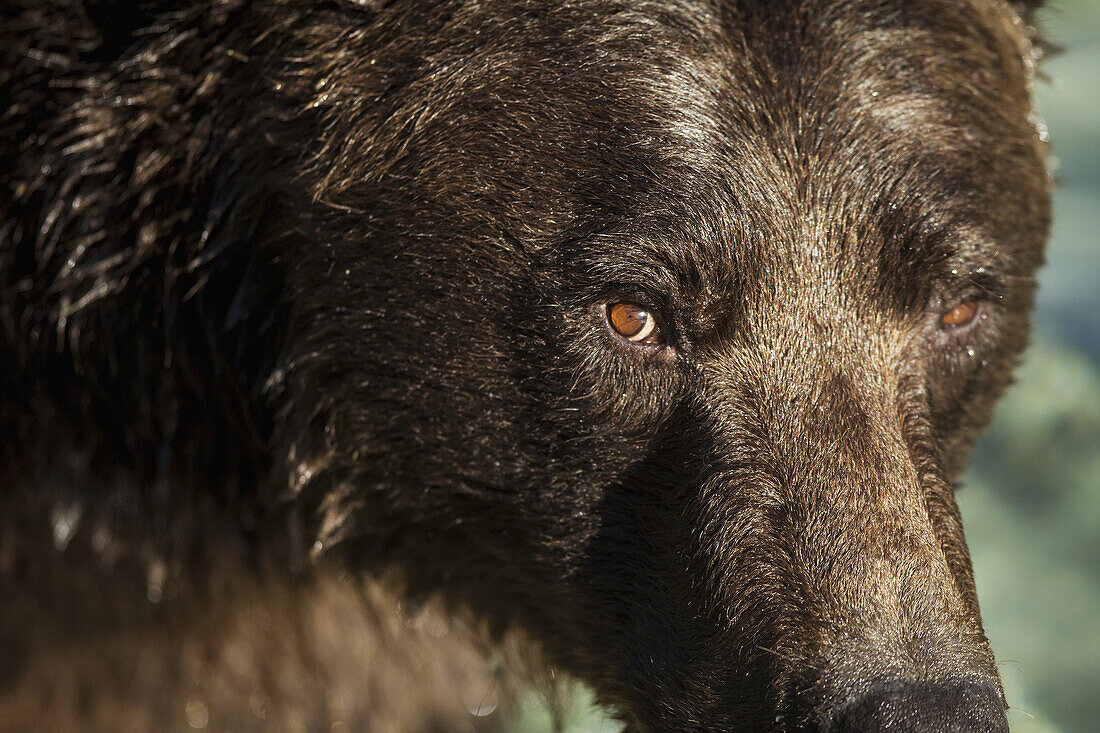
(1031, 501)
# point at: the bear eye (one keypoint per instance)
(634, 323)
(962, 315)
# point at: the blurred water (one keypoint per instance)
(1032, 499)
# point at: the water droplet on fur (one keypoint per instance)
(258, 704)
(196, 713)
(984, 363)
(1040, 126)
(101, 537)
(64, 521)
(305, 473)
(155, 579)
(970, 351)
(482, 704)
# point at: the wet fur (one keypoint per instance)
(294, 285)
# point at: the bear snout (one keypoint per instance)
(954, 706)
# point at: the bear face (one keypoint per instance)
(834, 239)
(658, 330)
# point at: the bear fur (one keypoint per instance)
(304, 337)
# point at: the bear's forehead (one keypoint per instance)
(754, 144)
(706, 147)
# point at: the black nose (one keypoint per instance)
(922, 707)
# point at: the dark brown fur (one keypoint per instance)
(289, 285)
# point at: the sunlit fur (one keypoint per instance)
(295, 293)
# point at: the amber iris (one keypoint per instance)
(961, 315)
(633, 323)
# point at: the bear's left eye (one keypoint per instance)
(635, 324)
(963, 314)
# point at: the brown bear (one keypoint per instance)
(648, 337)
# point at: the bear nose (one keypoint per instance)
(922, 707)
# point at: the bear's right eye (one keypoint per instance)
(635, 324)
